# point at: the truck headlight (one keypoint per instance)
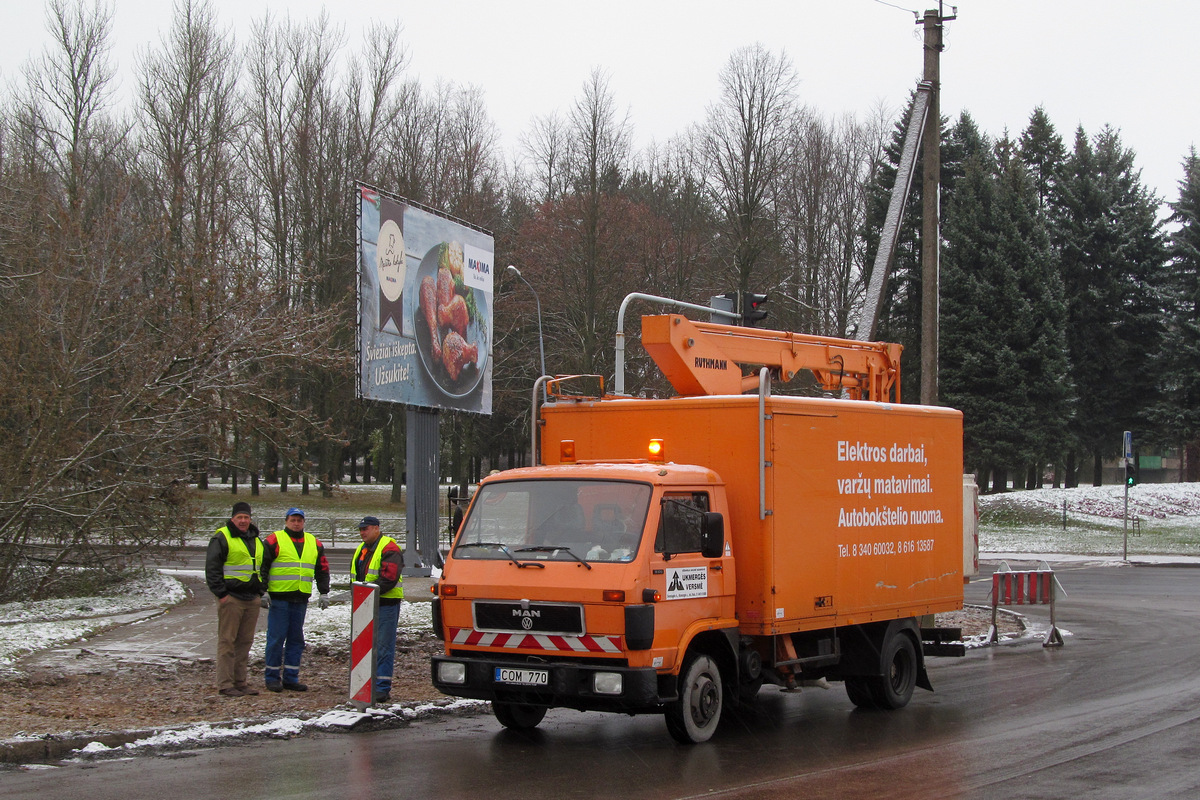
(452, 672)
(606, 682)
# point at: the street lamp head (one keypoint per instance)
(537, 300)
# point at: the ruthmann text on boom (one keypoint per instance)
(882, 517)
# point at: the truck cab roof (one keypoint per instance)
(657, 473)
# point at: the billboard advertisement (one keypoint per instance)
(424, 307)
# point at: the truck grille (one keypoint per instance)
(529, 617)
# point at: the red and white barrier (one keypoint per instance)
(1028, 587)
(364, 606)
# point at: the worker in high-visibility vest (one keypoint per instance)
(294, 560)
(233, 572)
(379, 560)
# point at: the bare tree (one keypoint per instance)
(546, 147)
(189, 117)
(821, 203)
(745, 139)
(69, 90)
(600, 142)
(369, 88)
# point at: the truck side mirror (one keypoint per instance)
(712, 535)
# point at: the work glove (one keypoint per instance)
(323, 602)
(265, 602)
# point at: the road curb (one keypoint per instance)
(58, 747)
(55, 747)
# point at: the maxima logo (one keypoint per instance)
(478, 265)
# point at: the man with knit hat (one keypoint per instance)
(294, 560)
(233, 571)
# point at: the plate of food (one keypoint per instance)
(450, 321)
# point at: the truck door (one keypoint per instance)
(691, 586)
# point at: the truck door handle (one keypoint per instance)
(716, 567)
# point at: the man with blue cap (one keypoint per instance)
(293, 560)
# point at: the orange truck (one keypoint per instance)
(672, 555)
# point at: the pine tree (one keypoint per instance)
(1039, 338)
(997, 344)
(1112, 255)
(1042, 152)
(1179, 365)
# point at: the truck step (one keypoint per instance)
(942, 642)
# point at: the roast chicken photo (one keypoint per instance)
(448, 307)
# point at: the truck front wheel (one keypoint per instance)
(694, 716)
(518, 716)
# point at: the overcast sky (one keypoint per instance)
(1088, 62)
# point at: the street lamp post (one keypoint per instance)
(541, 346)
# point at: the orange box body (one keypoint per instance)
(861, 518)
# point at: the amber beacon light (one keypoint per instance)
(655, 449)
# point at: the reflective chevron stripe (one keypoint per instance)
(537, 641)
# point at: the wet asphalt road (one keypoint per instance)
(1115, 713)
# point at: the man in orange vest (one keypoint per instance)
(294, 559)
(379, 560)
(233, 572)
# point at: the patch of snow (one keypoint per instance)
(29, 626)
(280, 728)
(330, 629)
(1164, 520)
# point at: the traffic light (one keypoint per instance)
(752, 308)
(1131, 472)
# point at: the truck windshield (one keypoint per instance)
(555, 520)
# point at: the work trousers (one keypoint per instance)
(386, 622)
(285, 640)
(235, 633)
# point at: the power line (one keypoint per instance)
(916, 14)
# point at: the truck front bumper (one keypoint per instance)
(557, 684)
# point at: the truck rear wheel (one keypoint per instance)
(858, 689)
(693, 718)
(895, 687)
(518, 716)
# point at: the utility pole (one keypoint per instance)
(930, 194)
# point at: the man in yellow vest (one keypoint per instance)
(232, 570)
(379, 560)
(294, 559)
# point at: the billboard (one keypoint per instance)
(424, 307)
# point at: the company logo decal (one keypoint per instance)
(685, 582)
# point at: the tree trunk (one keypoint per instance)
(1097, 468)
(1071, 480)
(271, 464)
(1191, 458)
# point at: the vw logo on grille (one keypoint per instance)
(526, 623)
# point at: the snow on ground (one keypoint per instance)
(329, 630)
(1164, 520)
(29, 626)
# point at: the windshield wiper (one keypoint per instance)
(503, 548)
(549, 548)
